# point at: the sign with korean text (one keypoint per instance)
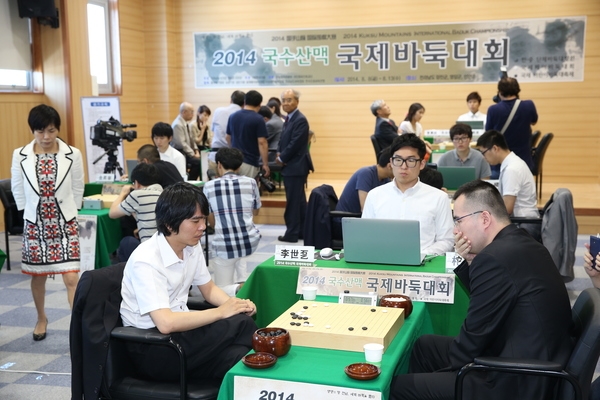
(247, 388)
(532, 50)
(297, 256)
(420, 286)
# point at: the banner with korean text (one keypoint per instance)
(532, 50)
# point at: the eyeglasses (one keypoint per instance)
(458, 219)
(399, 162)
(485, 151)
(460, 139)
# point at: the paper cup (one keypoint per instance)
(309, 293)
(373, 352)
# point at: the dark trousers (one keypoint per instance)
(295, 206)
(429, 374)
(193, 164)
(210, 351)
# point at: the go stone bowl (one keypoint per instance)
(276, 341)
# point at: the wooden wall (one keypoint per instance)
(158, 74)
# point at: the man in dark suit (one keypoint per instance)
(519, 308)
(293, 156)
(385, 128)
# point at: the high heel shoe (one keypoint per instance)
(40, 336)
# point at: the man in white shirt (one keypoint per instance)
(406, 197)
(162, 134)
(219, 126)
(156, 284)
(516, 185)
(473, 103)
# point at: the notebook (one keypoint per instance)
(382, 241)
(455, 177)
(472, 124)
(130, 164)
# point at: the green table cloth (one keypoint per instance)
(108, 236)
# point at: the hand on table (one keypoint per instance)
(235, 306)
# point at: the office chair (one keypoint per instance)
(535, 136)
(579, 369)
(13, 218)
(101, 366)
(376, 147)
(538, 160)
(320, 224)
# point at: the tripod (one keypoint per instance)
(112, 164)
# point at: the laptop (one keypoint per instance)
(472, 124)
(130, 165)
(382, 241)
(455, 177)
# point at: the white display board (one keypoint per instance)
(94, 109)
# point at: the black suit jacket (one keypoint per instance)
(96, 312)
(385, 132)
(293, 146)
(168, 173)
(519, 308)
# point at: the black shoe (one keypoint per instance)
(284, 239)
(40, 336)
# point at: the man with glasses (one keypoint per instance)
(462, 155)
(518, 308)
(406, 197)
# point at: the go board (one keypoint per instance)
(340, 326)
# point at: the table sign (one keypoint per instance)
(105, 178)
(246, 388)
(419, 286)
(297, 256)
(453, 260)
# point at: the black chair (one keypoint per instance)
(538, 160)
(535, 136)
(97, 301)
(376, 147)
(580, 367)
(13, 218)
(322, 221)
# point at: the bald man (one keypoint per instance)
(183, 139)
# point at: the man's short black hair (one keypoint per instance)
(237, 97)
(162, 129)
(484, 197)
(253, 98)
(409, 140)
(431, 177)
(230, 158)
(492, 138)
(384, 157)
(42, 116)
(474, 96)
(265, 112)
(461, 129)
(509, 87)
(177, 203)
(145, 174)
(149, 152)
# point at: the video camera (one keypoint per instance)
(503, 74)
(108, 134)
(266, 182)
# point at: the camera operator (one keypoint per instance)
(512, 117)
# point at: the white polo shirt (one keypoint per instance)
(424, 203)
(516, 180)
(156, 278)
(175, 157)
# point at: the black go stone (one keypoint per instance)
(351, 329)
(305, 307)
(373, 310)
(365, 328)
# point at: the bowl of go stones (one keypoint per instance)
(276, 341)
(397, 301)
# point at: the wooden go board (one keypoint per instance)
(340, 326)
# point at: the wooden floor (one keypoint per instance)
(586, 198)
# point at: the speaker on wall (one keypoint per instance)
(44, 10)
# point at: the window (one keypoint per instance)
(16, 59)
(104, 45)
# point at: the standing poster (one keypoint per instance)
(531, 50)
(94, 109)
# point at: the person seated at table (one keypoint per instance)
(155, 288)
(385, 128)
(411, 123)
(138, 200)
(162, 134)
(168, 173)
(462, 155)
(233, 200)
(473, 104)
(362, 181)
(518, 308)
(406, 197)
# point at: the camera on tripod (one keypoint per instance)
(266, 182)
(108, 134)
